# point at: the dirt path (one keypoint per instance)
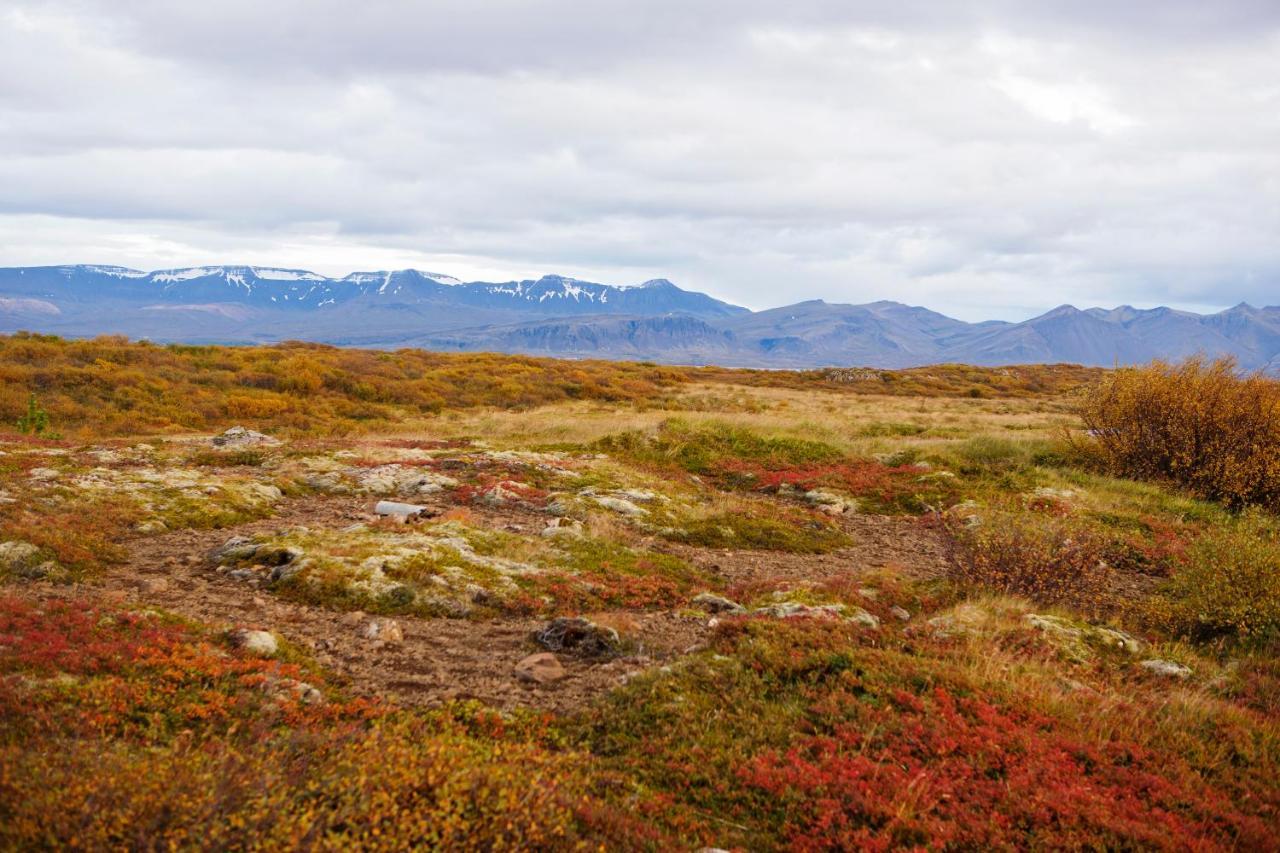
(444, 659)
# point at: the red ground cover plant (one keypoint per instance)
(127, 730)
(489, 487)
(954, 771)
(74, 669)
(893, 488)
(810, 734)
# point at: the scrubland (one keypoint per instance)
(942, 608)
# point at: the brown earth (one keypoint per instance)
(443, 659)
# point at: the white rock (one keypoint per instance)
(713, 603)
(862, 617)
(399, 509)
(619, 505)
(238, 437)
(638, 495)
(260, 643)
(1166, 668)
(16, 553)
(267, 492)
(794, 609)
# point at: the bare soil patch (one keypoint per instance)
(440, 659)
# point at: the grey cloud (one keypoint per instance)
(987, 158)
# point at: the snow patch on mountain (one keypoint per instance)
(115, 272)
(169, 276)
(273, 274)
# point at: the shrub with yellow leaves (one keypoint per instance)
(1199, 423)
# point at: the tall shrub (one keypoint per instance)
(1198, 423)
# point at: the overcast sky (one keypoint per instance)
(980, 158)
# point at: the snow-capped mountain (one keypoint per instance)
(301, 289)
(556, 315)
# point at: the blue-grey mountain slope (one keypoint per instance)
(567, 317)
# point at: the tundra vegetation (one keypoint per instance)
(633, 607)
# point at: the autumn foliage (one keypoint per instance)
(1199, 424)
(111, 386)
(1047, 559)
(127, 730)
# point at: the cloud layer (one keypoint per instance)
(980, 158)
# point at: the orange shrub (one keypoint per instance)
(1200, 424)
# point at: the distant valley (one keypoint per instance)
(566, 317)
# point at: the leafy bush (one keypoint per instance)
(35, 420)
(1229, 585)
(1198, 423)
(1047, 559)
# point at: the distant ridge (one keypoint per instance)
(568, 317)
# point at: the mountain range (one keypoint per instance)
(566, 317)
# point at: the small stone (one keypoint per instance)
(1166, 668)
(638, 495)
(713, 603)
(400, 510)
(260, 643)
(580, 635)
(830, 503)
(502, 494)
(267, 492)
(794, 610)
(384, 630)
(542, 668)
(18, 557)
(235, 549)
(900, 613)
(862, 617)
(562, 527)
(619, 505)
(238, 437)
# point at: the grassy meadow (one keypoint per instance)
(940, 608)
